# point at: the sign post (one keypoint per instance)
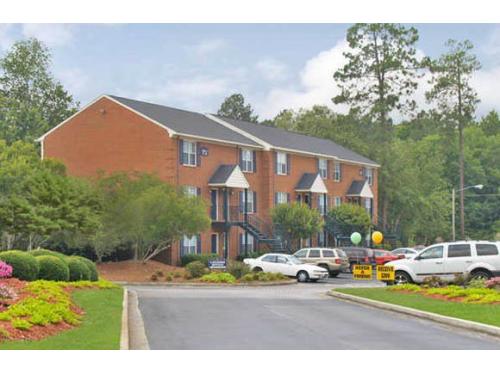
(385, 273)
(362, 272)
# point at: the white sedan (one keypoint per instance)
(288, 265)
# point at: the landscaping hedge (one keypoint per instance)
(203, 258)
(24, 265)
(94, 276)
(78, 270)
(42, 252)
(53, 268)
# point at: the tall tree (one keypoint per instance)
(31, 99)
(234, 107)
(379, 77)
(455, 98)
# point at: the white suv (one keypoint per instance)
(479, 259)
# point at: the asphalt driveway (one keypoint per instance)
(298, 316)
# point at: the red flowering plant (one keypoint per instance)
(5, 270)
(493, 283)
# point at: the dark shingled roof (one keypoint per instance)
(306, 181)
(222, 174)
(185, 122)
(282, 138)
(356, 187)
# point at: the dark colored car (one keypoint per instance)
(383, 256)
(359, 255)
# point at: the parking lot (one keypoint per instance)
(296, 316)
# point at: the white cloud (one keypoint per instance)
(54, 35)
(486, 84)
(207, 47)
(271, 69)
(75, 81)
(6, 38)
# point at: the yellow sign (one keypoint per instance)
(362, 272)
(385, 273)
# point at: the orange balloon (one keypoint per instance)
(377, 237)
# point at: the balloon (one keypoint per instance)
(355, 238)
(377, 237)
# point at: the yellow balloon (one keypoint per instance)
(377, 237)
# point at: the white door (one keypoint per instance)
(282, 266)
(429, 263)
(458, 258)
(268, 263)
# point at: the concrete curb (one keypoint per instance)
(138, 338)
(207, 285)
(124, 337)
(449, 321)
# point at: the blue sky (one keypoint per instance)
(194, 66)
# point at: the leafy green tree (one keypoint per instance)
(379, 78)
(234, 107)
(454, 97)
(295, 221)
(148, 213)
(348, 218)
(490, 123)
(31, 100)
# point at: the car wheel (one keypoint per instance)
(257, 269)
(334, 274)
(480, 275)
(302, 276)
(401, 277)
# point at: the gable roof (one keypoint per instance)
(295, 142)
(229, 175)
(359, 189)
(311, 182)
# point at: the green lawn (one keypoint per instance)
(100, 329)
(488, 314)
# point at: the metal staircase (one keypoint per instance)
(260, 230)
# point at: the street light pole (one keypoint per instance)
(453, 193)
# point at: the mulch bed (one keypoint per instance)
(440, 297)
(134, 271)
(35, 332)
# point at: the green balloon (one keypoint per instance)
(355, 238)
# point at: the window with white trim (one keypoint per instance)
(191, 191)
(188, 153)
(250, 201)
(368, 206)
(323, 167)
(281, 163)
(247, 160)
(337, 172)
(337, 201)
(250, 244)
(322, 239)
(189, 244)
(322, 204)
(281, 197)
(369, 175)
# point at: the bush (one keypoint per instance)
(78, 270)
(94, 276)
(24, 265)
(476, 284)
(5, 270)
(434, 282)
(42, 252)
(237, 269)
(203, 258)
(196, 269)
(218, 277)
(53, 268)
(263, 277)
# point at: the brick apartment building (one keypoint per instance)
(227, 162)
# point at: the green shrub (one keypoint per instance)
(42, 252)
(434, 282)
(78, 270)
(52, 268)
(21, 324)
(196, 269)
(203, 258)
(460, 279)
(218, 277)
(237, 269)
(94, 276)
(476, 283)
(24, 265)
(263, 277)
(168, 278)
(405, 287)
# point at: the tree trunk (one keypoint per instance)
(462, 193)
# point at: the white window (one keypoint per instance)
(247, 161)
(189, 244)
(322, 240)
(337, 201)
(250, 245)
(369, 175)
(250, 201)
(281, 197)
(191, 191)
(337, 173)
(322, 204)
(323, 167)
(281, 163)
(189, 153)
(368, 205)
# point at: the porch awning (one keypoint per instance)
(360, 189)
(229, 175)
(311, 183)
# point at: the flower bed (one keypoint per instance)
(478, 295)
(35, 310)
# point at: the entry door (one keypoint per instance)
(215, 243)
(214, 209)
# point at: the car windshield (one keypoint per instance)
(294, 260)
